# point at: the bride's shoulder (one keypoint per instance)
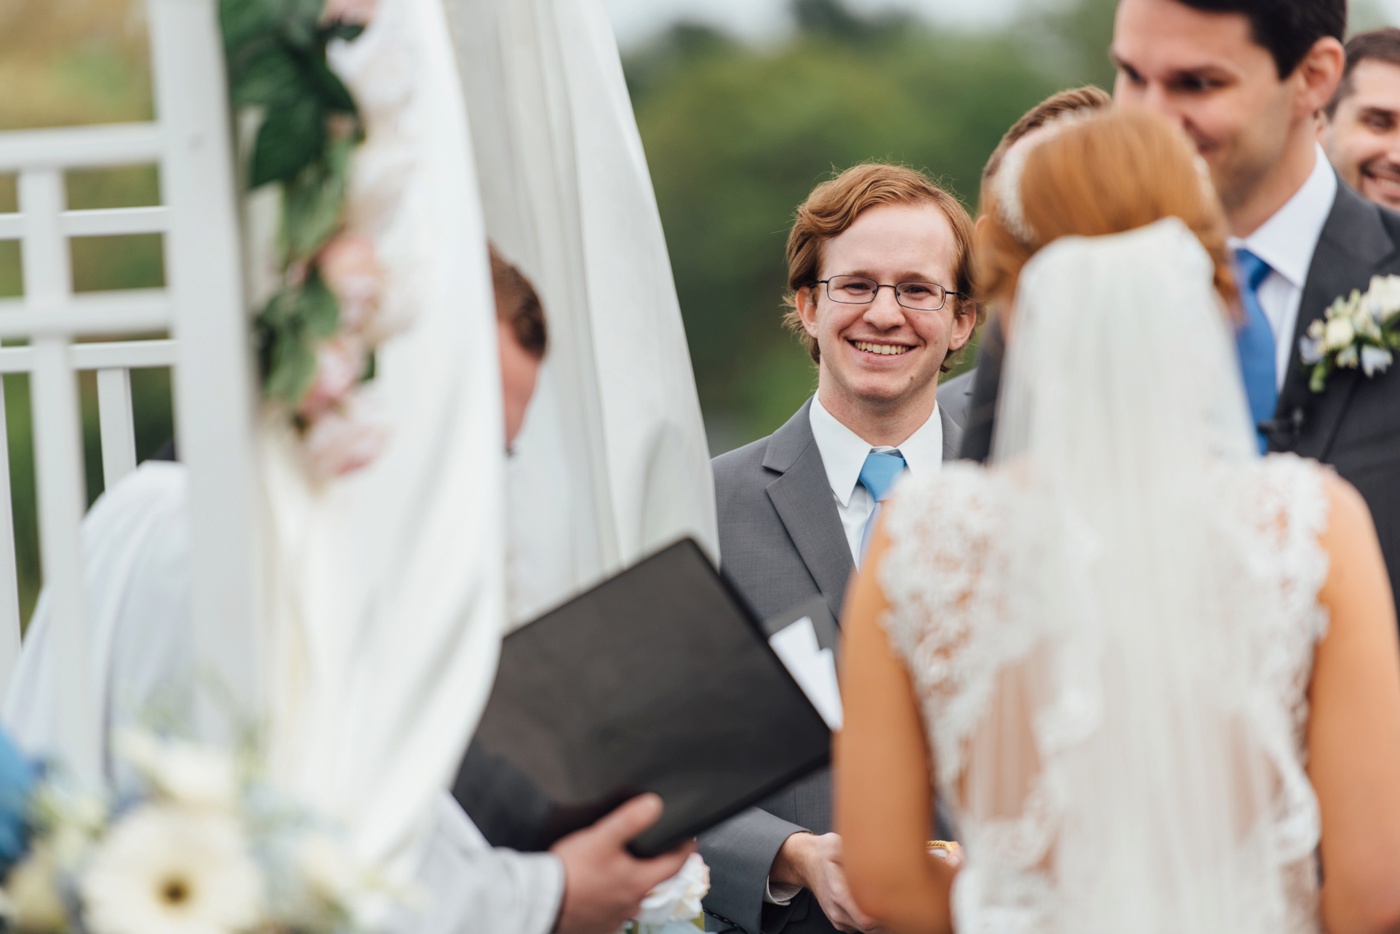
(959, 490)
(1286, 485)
(1333, 509)
(949, 511)
(956, 480)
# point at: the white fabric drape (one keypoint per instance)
(136, 571)
(613, 461)
(387, 586)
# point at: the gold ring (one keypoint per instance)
(941, 845)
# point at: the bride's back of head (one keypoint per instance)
(1091, 175)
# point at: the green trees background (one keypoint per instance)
(736, 134)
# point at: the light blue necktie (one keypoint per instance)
(1255, 343)
(878, 475)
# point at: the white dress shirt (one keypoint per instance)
(1286, 242)
(843, 454)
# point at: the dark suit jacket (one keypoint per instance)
(781, 542)
(1355, 424)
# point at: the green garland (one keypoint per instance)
(275, 52)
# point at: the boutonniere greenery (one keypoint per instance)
(1358, 331)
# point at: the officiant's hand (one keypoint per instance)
(604, 884)
(814, 862)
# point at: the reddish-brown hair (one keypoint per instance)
(833, 207)
(1085, 99)
(1117, 171)
(518, 305)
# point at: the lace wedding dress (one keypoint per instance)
(1111, 630)
(971, 638)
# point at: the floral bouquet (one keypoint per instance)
(1357, 331)
(673, 907)
(202, 846)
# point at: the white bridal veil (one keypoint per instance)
(1134, 756)
(612, 463)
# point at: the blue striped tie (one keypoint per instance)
(1255, 343)
(881, 470)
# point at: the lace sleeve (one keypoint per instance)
(1290, 497)
(942, 528)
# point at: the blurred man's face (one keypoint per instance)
(1363, 137)
(879, 356)
(1205, 72)
(519, 371)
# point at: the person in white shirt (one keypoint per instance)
(878, 271)
(136, 563)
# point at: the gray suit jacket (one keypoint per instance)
(781, 542)
(955, 396)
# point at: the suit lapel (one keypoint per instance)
(952, 436)
(1353, 244)
(802, 496)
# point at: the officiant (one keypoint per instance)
(136, 551)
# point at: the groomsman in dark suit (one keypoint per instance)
(1247, 80)
(878, 277)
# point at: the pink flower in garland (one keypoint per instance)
(360, 12)
(343, 439)
(340, 363)
(351, 271)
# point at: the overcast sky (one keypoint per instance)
(635, 20)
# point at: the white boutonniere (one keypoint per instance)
(673, 907)
(1361, 330)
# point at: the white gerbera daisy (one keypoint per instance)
(184, 773)
(171, 870)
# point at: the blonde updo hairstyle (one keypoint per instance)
(1093, 175)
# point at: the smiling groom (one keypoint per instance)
(879, 285)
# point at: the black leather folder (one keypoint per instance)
(660, 679)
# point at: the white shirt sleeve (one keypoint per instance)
(472, 888)
(776, 893)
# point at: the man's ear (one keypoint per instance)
(1318, 75)
(806, 299)
(963, 326)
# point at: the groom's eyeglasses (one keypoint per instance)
(916, 296)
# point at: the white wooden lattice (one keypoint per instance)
(201, 308)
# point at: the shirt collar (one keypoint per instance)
(1287, 240)
(843, 451)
